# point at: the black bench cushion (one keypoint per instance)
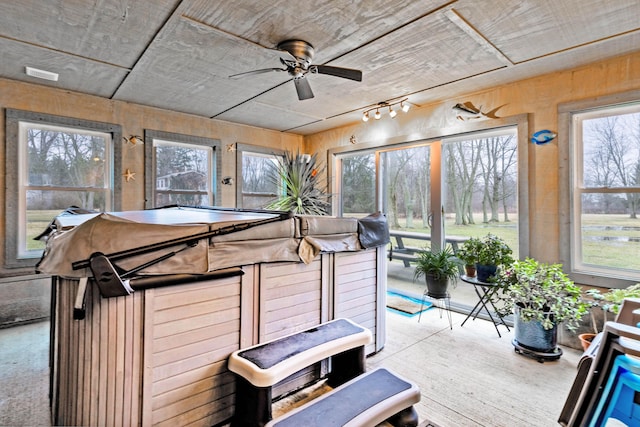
(345, 403)
(270, 354)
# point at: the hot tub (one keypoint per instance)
(157, 356)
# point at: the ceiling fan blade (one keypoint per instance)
(345, 73)
(303, 88)
(249, 73)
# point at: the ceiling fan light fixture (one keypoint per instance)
(297, 63)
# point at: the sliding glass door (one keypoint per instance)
(480, 186)
(435, 193)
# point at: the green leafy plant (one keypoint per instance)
(543, 292)
(299, 177)
(494, 251)
(468, 252)
(440, 264)
(612, 299)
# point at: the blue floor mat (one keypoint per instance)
(406, 305)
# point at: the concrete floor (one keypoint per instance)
(24, 376)
(400, 279)
(468, 376)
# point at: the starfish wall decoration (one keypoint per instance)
(129, 175)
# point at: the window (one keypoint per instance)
(467, 183)
(441, 190)
(57, 162)
(183, 170)
(255, 189)
(604, 204)
(358, 183)
(480, 186)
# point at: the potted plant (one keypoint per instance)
(299, 177)
(541, 296)
(468, 254)
(492, 253)
(609, 302)
(439, 269)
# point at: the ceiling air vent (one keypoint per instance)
(42, 74)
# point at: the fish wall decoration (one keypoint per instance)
(468, 111)
(543, 137)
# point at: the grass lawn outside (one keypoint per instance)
(607, 240)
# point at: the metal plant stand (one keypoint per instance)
(442, 303)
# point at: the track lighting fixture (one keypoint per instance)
(403, 103)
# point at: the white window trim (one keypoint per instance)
(519, 122)
(169, 138)
(15, 165)
(567, 193)
(253, 149)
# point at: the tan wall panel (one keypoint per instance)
(538, 97)
(134, 119)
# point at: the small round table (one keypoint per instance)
(484, 290)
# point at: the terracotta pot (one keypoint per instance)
(585, 340)
(470, 270)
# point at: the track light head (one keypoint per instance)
(403, 103)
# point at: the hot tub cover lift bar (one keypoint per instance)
(113, 281)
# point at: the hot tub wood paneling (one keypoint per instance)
(158, 356)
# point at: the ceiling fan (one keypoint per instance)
(299, 55)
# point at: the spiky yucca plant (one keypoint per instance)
(299, 176)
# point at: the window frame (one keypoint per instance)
(568, 161)
(435, 137)
(13, 167)
(249, 148)
(150, 162)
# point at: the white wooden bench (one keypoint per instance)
(260, 367)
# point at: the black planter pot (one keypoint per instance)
(532, 340)
(484, 272)
(436, 288)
